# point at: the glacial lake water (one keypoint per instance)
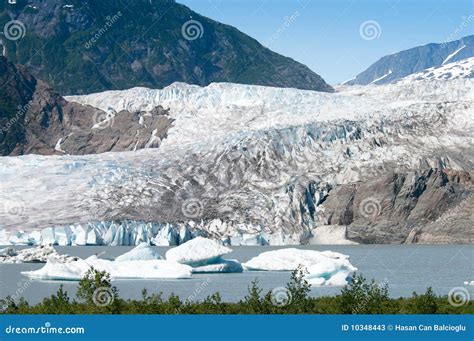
(406, 268)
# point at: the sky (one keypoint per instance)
(340, 38)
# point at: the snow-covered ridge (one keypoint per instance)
(244, 164)
(456, 70)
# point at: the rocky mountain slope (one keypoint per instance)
(261, 165)
(34, 119)
(401, 64)
(100, 45)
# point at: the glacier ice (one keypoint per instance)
(132, 269)
(257, 161)
(197, 252)
(141, 252)
(324, 268)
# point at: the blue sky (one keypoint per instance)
(325, 35)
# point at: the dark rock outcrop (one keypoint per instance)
(429, 206)
(37, 120)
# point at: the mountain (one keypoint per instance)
(88, 46)
(396, 66)
(262, 165)
(37, 120)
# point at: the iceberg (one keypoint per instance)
(289, 259)
(40, 254)
(142, 252)
(222, 266)
(324, 268)
(130, 269)
(198, 252)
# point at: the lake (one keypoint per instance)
(406, 268)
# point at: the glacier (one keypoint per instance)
(242, 164)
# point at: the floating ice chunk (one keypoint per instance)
(330, 272)
(289, 259)
(142, 252)
(324, 268)
(197, 252)
(39, 254)
(144, 269)
(54, 270)
(223, 266)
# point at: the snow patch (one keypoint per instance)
(382, 77)
(452, 55)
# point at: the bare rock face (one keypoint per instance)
(429, 206)
(37, 120)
